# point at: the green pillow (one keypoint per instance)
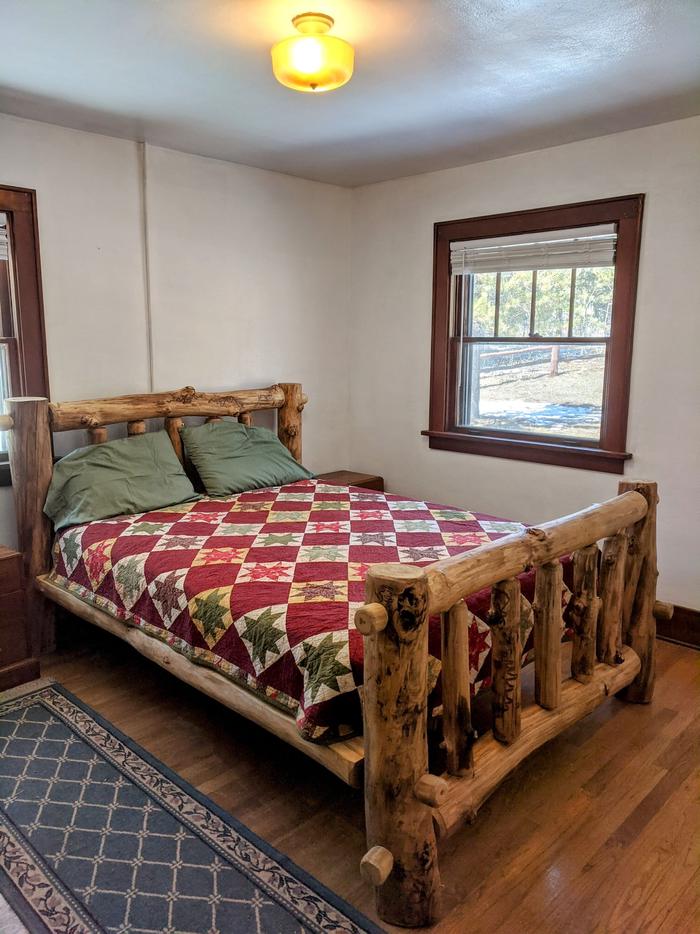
(117, 478)
(231, 458)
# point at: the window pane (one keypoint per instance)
(553, 295)
(4, 390)
(483, 304)
(538, 389)
(516, 299)
(593, 301)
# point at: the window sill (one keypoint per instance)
(560, 455)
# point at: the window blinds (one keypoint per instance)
(552, 249)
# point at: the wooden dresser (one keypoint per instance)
(368, 481)
(16, 663)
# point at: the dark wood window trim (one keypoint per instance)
(610, 455)
(26, 346)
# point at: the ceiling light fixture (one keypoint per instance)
(313, 61)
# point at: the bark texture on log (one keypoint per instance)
(582, 613)
(612, 586)
(92, 413)
(450, 579)
(136, 427)
(549, 585)
(289, 418)
(97, 435)
(31, 465)
(396, 747)
(456, 701)
(506, 657)
(641, 628)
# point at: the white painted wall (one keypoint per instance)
(249, 276)
(392, 262)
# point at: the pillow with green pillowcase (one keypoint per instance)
(116, 478)
(231, 458)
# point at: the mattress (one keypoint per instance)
(263, 586)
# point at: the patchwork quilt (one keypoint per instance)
(263, 586)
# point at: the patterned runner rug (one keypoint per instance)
(96, 835)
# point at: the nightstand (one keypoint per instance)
(16, 663)
(369, 481)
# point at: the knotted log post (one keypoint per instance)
(640, 632)
(547, 607)
(612, 586)
(582, 613)
(399, 821)
(173, 426)
(457, 730)
(289, 418)
(506, 659)
(31, 465)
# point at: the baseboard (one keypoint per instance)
(683, 628)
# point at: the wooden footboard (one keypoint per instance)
(611, 612)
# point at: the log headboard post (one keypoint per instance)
(31, 462)
(289, 418)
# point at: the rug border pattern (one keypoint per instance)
(301, 895)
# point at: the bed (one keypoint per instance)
(292, 604)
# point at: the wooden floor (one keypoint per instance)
(598, 832)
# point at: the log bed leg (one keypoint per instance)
(638, 609)
(31, 464)
(399, 795)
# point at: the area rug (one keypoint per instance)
(96, 835)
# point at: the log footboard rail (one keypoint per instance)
(611, 614)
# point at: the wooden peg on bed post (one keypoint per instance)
(31, 464)
(289, 418)
(396, 746)
(639, 602)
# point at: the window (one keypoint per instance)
(22, 343)
(532, 333)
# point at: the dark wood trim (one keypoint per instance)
(23, 671)
(609, 455)
(543, 452)
(19, 204)
(683, 628)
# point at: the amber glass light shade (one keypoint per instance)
(313, 61)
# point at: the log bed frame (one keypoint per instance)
(408, 809)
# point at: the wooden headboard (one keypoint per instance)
(30, 423)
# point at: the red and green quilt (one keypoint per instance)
(263, 586)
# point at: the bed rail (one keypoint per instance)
(611, 613)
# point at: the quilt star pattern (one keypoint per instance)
(263, 586)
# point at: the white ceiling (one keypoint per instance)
(437, 82)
